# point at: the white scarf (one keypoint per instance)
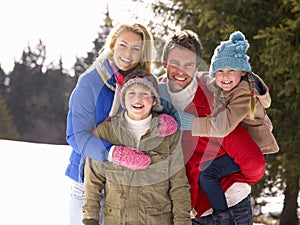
(180, 102)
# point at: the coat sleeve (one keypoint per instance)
(81, 120)
(179, 186)
(224, 122)
(94, 183)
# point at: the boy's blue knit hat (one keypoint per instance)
(231, 54)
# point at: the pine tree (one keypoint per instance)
(26, 82)
(7, 128)
(281, 61)
(2, 80)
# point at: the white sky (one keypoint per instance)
(35, 190)
(66, 27)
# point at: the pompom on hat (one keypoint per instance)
(146, 79)
(231, 54)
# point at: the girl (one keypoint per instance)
(127, 48)
(241, 97)
(156, 195)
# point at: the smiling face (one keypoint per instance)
(127, 51)
(138, 101)
(181, 67)
(227, 78)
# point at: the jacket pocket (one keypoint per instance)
(112, 214)
(160, 214)
(264, 138)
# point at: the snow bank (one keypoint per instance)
(34, 188)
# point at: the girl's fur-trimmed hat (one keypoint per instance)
(146, 79)
(231, 54)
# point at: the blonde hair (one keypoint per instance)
(252, 98)
(146, 59)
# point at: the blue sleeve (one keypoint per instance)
(81, 120)
(183, 118)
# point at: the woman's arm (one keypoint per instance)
(81, 120)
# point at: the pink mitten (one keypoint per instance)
(131, 158)
(167, 125)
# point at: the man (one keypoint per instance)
(183, 87)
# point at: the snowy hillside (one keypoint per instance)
(34, 188)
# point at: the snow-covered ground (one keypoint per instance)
(34, 189)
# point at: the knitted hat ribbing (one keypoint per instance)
(147, 80)
(231, 54)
